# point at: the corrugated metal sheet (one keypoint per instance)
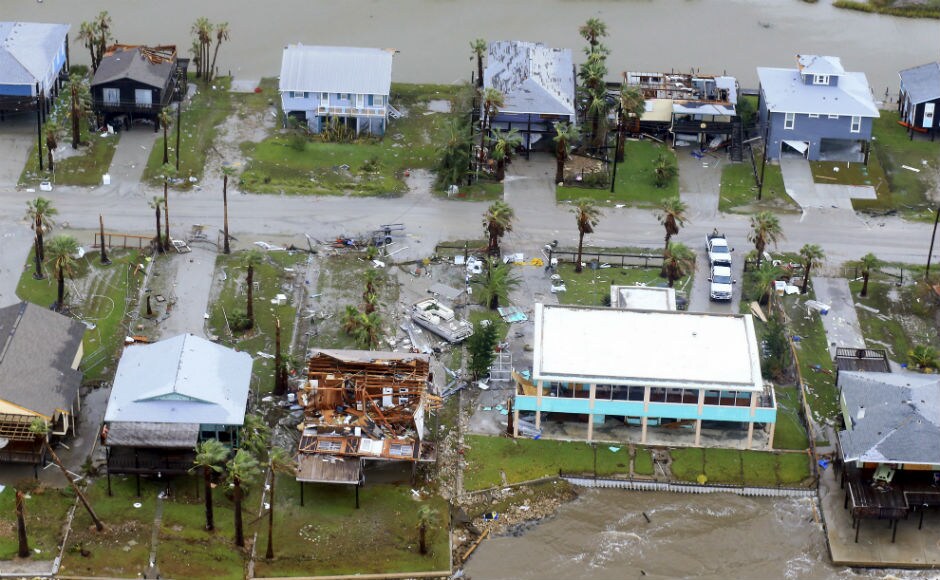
(28, 50)
(336, 69)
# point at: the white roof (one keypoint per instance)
(28, 50)
(820, 65)
(184, 379)
(646, 348)
(532, 77)
(643, 297)
(786, 93)
(336, 69)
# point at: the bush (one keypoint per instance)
(238, 320)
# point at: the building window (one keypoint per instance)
(789, 120)
(833, 116)
(111, 96)
(379, 101)
(820, 79)
(856, 125)
(324, 97)
(813, 115)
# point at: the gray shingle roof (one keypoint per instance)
(28, 49)
(184, 379)
(336, 69)
(922, 83)
(130, 63)
(154, 435)
(786, 93)
(532, 77)
(37, 349)
(895, 417)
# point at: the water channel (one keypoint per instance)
(602, 535)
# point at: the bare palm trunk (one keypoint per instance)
(865, 284)
(76, 126)
(577, 265)
(215, 55)
(225, 247)
(250, 310)
(81, 496)
(166, 145)
(269, 553)
(166, 214)
(60, 289)
(239, 529)
(40, 246)
(158, 239)
(49, 148)
(805, 285)
(759, 246)
(210, 515)
(104, 247)
(38, 275)
(423, 539)
(621, 136)
(22, 540)
(480, 71)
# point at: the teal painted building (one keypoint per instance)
(647, 369)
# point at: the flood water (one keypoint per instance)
(433, 35)
(604, 536)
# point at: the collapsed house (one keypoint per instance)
(361, 405)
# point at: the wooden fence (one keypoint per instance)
(141, 241)
(647, 260)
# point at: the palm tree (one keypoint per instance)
(79, 104)
(40, 429)
(202, 30)
(426, 515)
(632, 105)
(169, 171)
(22, 540)
(812, 256)
(923, 357)
(597, 109)
(496, 285)
(278, 462)
(586, 215)
(592, 30)
(226, 171)
(765, 229)
(87, 35)
(497, 221)
(62, 250)
(592, 75)
(493, 100)
(156, 204)
(95, 36)
(368, 333)
(868, 263)
(164, 118)
(210, 456)
(51, 129)
(565, 135)
(504, 143)
(678, 261)
(241, 469)
(39, 212)
(251, 259)
(254, 436)
(764, 278)
(221, 33)
(664, 170)
(672, 217)
(479, 50)
(370, 297)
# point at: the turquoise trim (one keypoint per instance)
(635, 409)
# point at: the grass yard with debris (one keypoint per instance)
(81, 168)
(738, 193)
(289, 163)
(328, 535)
(592, 287)
(635, 184)
(46, 511)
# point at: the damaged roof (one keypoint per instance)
(892, 418)
(368, 356)
(532, 77)
(146, 65)
(37, 350)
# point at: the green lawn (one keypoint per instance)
(101, 297)
(46, 509)
(208, 109)
(926, 9)
(270, 276)
(591, 287)
(635, 185)
(789, 432)
(83, 169)
(369, 166)
(643, 462)
(816, 364)
(738, 193)
(527, 459)
(859, 174)
(731, 466)
(908, 191)
(330, 536)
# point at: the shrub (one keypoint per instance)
(238, 320)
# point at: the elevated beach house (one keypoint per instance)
(167, 397)
(34, 61)
(337, 84)
(679, 378)
(40, 352)
(137, 82)
(817, 110)
(919, 99)
(537, 83)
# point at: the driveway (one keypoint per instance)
(700, 183)
(841, 324)
(17, 135)
(800, 185)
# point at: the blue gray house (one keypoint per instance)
(818, 110)
(348, 84)
(34, 58)
(919, 99)
(537, 83)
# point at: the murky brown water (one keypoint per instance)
(604, 536)
(433, 35)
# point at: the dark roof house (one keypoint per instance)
(919, 99)
(40, 351)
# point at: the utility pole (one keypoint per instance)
(613, 177)
(179, 113)
(763, 163)
(933, 236)
(104, 251)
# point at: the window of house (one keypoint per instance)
(833, 116)
(401, 450)
(820, 79)
(143, 97)
(813, 115)
(379, 100)
(112, 96)
(324, 97)
(329, 446)
(789, 120)
(856, 125)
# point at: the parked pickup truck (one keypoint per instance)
(718, 251)
(441, 320)
(721, 283)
